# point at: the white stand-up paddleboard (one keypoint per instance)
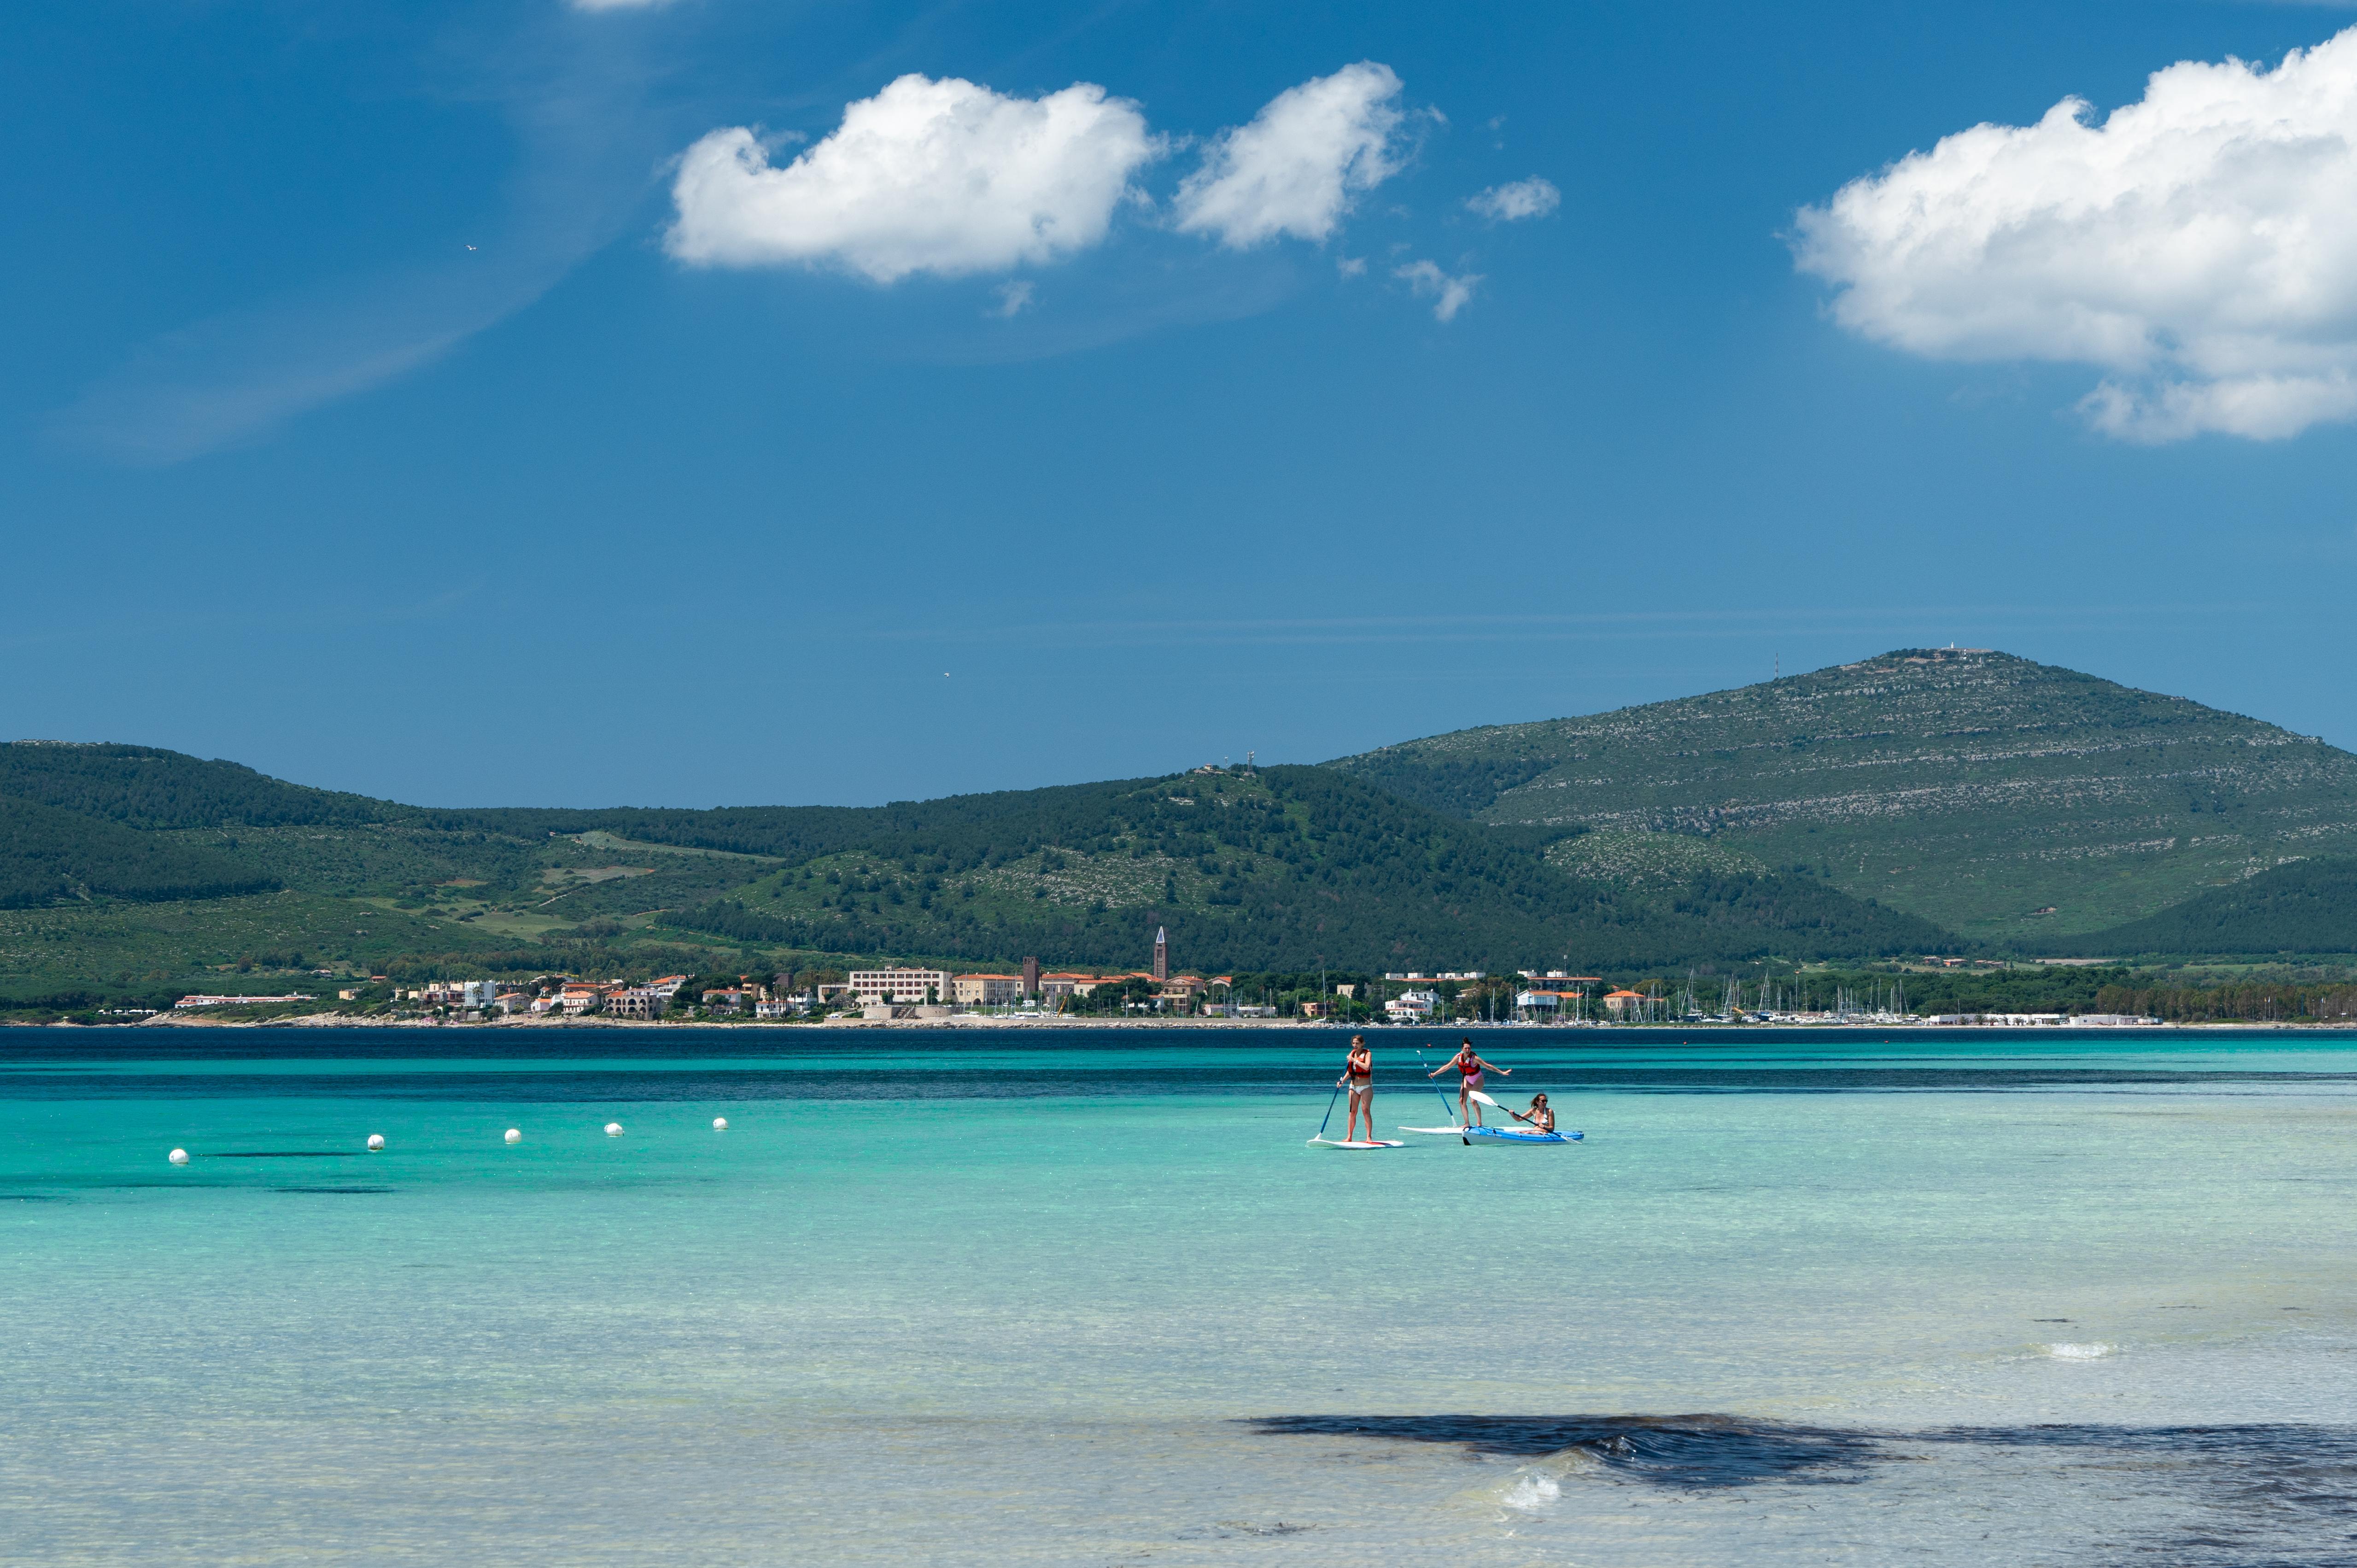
(1435, 1132)
(1359, 1143)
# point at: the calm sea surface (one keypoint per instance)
(1089, 1298)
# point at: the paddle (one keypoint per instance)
(1444, 1101)
(1508, 1110)
(1329, 1114)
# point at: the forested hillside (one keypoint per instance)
(1842, 816)
(53, 856)
(1268, 871)
(2005, 799)
(1280, 869)
(142, 786)
(2307, 908)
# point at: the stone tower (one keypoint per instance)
(1161, 953)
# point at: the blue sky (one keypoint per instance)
(386, 412)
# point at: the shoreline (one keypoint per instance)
(985, 1021)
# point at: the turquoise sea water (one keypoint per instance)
(1090, 1299)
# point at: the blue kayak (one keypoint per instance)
(1498, 1134)
(1518, 1135)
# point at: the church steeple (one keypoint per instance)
(1161, 953)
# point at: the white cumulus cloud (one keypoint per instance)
(1531, 198)
(2200, 246)
(1295, 169)
(1448, 294)
(941, 176)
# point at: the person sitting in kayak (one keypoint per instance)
(1540, 1117)
(1468, 1062)
(1359, 1078)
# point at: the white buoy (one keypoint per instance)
(515, 1135)
(720, 1123)
(178, 1156)
(613, 1129)
(376, 1141)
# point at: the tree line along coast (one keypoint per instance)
(1944, 833)
(1932, 992)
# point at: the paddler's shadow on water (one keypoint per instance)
(1683, 1451)
(1701, 1452)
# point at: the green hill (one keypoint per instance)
(2008, 801)
(1894, 806)
(1271, 870)
(142, 787)
(53, 856)
(1277, 869)
(2307, 908)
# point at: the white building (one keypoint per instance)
(206, 1000)
(637, 1001)
(1413, 1005)
(2005, 1020)
(874, 986)
(989, 990)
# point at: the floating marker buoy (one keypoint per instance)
(720, 1123)
(178, 1156)
(613, 1129)
(515, 1135)
(376, 1141)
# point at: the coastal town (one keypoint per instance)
(917, 994)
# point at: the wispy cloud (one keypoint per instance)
(1449, 294)
(211, 622)
(1937, 623)
(587, 153)
(1531, 198)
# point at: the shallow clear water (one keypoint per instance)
(1092, 1299)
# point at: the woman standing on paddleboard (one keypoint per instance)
(1359, 1078)
(1470, 1063)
